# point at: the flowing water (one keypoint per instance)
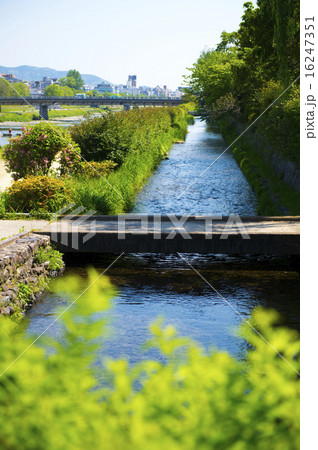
(151, 285)
(182, 186)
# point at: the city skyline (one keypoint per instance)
(156, 40)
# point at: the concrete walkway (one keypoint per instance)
(5, 177)
(9, 228)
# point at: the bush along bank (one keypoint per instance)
(274, 179)
(121, 151)
(26, 265)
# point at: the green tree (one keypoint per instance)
(211, 76)
(5, 88)
(22, 89)
(58, 91)
(73, 80)
(227, 40)
(92, 93)
(13, 89)
(54, 90)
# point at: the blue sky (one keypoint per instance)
(156, 40)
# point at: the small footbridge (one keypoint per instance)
(232, 235)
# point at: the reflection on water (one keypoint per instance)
(151, 285)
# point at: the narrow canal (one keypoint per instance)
(151, 285)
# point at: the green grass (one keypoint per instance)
(116, 193)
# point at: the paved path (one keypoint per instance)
(9, 228)
(5, 177)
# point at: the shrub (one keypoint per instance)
(34, 152)
(187, 400)
(94, 169)
(48, 254)
(37, 192)
(263, 97)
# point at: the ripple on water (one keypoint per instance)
(182, 185)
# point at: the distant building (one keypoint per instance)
(88, 87)
(38, 87)
(104, 87)
(10, 77)
(132, 81)
(47, 81)
(34, 92)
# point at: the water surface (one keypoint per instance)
(222, 189)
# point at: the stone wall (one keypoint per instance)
(18, 268)
(288, 170)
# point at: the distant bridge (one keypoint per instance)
(127, 103)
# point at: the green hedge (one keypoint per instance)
(114, 136)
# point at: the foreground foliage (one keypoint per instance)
(192, 400)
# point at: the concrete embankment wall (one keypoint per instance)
(273, 177)
(22, 280)
(288, 170)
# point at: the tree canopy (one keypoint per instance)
(55, 90)
(73, 80)
(13, 89)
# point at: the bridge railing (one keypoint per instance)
(68, 98)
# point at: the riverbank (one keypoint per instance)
(274, 185)
(123, 148)
(137, 141)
